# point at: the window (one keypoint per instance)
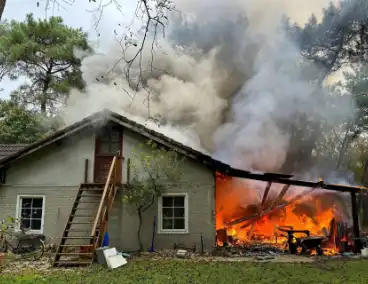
(31, 212)
(109, 141)
(173, 213)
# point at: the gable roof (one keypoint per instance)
(107, 115)
(9, 149)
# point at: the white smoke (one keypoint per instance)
(233, 97)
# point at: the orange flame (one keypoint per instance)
(235, 200)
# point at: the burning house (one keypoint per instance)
(230, 92)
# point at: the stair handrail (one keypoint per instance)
(110, 179)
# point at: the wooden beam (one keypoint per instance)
(265, 177)
(265, 194)
(281, 195)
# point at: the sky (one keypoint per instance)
(80, 14)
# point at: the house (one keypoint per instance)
(44, 182)
(40, 183)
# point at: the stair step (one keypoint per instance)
(92, 185)
(75, 253)
(76, 245)
(92, 190)
(88, 193)
(91, 195)
(77, 238)
(85, 208)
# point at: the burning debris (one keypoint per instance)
(304, 221)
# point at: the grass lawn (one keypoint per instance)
(171, 271)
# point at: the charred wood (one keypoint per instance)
(265, 194)
(281, 195)
(221, 236)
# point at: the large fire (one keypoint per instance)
(236, 200)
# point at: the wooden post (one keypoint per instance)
(356, 229)
(86, 171)
(118, 170)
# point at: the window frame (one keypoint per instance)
(160, 230)
(19, 211)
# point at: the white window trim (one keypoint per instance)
(186, 210)
(18, 211)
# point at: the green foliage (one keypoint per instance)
(6, 228)
(357, 157)
(19, 125)
(357, 86)
(341, 37)
(43, 51)
(152, 172)
(5, 63)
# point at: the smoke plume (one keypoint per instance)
(226, 81)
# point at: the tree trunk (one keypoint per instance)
(2, 7)
(43, 101)
(344, 147)
(139, 230)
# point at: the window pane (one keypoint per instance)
(167, 212)
(104, 148)
(115, 135)
(36, 224)
(167, 201)
(37, 202)
(179, 224)
(26, 202)
(167, 224)
(25, 223)
(115, 147)
(26, 213)
(179, 201)
(179, 212)
(105, 135)
(37, 213)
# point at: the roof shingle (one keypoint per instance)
(9, 149)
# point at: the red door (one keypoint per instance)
(108, 145)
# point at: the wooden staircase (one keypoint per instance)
(87, 222)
